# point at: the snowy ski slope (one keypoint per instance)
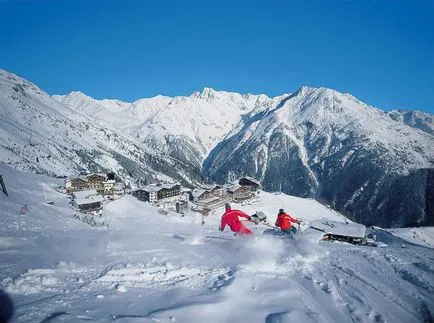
(150, 267)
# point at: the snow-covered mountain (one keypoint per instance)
(186, 128)
(415, 119)
(40, 134)
(148, 267)
(375, 167)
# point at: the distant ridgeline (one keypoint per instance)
(375, 167)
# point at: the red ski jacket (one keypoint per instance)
(284, 221)
(230, 218)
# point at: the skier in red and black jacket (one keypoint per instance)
(230, 218)
(285, 222)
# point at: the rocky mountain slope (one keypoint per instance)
(184, 127)
(376, 167)
(39, 134)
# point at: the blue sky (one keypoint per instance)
(380, 51)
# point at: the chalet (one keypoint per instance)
(156, 192)
(342, 231)
(89, 202)
(95, 180)
(90, 181)
(107, 187)
(249, 183)
(75, 184)
(209, 192)
(83, 194)
(239, 193)
(199, 194)
(211, 197)
(118, 189)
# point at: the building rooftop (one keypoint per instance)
(158, 187)
(84, 194)
(347, 229)
(89, 200)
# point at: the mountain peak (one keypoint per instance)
(78, 94)
(318, 91)
(19, 83)
(206, 93)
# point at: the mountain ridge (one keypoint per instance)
(341, 150)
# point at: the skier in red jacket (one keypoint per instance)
(285, 222)
(230, 218)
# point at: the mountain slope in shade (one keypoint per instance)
(42, 135)
(328, 145)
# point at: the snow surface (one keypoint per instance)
(423, 236)
(151, 267)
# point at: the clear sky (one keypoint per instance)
(380, 51)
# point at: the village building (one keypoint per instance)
(342, 231)
(107, 187)
(211, 197)
(239, 193)
(155, 193)
(75, 184)
(90, 181)
(83, 194)
(95, 180)
(88, 201)
(249, 183)
(118, 190)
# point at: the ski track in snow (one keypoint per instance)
(330, 292)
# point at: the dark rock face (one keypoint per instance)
(418, 120)
(287, 171)
(370, 181)
(366, 193)
(363, 188)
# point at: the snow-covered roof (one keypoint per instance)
(234, 187)
(84, 194)
(212, 187)
(90, 199)
(198, 192)
(158, 187)
(76, 177)
(253, 180)
(347, 229)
